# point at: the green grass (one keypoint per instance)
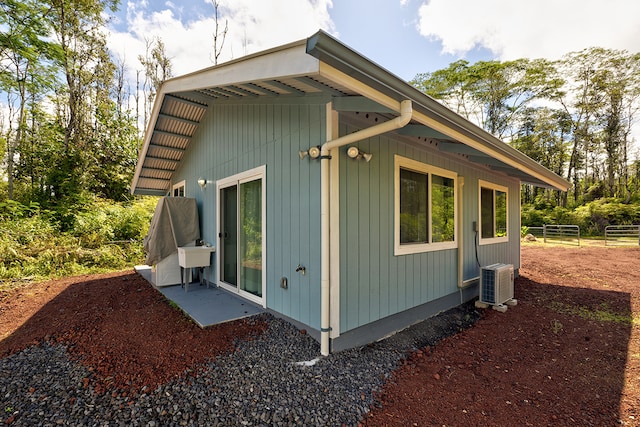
(603, 313)
(556, 327)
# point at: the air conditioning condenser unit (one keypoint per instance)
(496, 286)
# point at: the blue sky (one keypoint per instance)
(387, 32)
(404, 36)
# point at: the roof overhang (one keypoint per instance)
(182, 102)
(456, 134)
(318, 66)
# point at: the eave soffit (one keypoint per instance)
(287, 72)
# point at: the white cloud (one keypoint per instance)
(253, 26)
(534, 29)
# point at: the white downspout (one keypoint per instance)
(460, 236)
(325, 327)
(406, 111)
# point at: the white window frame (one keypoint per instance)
(182, 184)
(495, 187)
(423, 168)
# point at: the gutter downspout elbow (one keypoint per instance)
(406, 113)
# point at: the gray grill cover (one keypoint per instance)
(175, 223)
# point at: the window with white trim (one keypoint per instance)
(425, 207)
(178, 189)
(493, 213)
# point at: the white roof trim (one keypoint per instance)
(288, 61)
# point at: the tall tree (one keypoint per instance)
(77, 25)
(157, 68)
(544, 135)
(453, 86)
(219, 34)
(25, 69)
(602, 98)
(491, 93)
(620, 82)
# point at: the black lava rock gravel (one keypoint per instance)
(277, 379)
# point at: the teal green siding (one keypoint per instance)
(238, 137)
(374, 283)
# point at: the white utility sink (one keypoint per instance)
(195, 256)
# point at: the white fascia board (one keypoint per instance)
(533, 170)
(357, 86)
(157, 104)
(538, 173)
(287, 61)
(471, 142)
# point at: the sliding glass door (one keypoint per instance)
(229, 235)
(241, 234)
(250, 236)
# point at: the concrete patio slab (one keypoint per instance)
(207, 306)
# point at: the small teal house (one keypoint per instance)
(337, 195)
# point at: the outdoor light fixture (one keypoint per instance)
(202, 183)
(313, 152)
(355, 153)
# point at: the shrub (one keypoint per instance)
(592, 217)
(103, 236)
(597, 215)
(532, 217)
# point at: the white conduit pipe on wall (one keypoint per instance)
(462, 284)
(406, 111)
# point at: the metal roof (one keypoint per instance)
(318, 66)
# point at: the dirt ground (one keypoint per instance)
(567, 354)
(118, 325)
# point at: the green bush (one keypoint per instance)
(103, 236)
(592, 217)
(532, 217)
(597, 215)
(105, 221)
